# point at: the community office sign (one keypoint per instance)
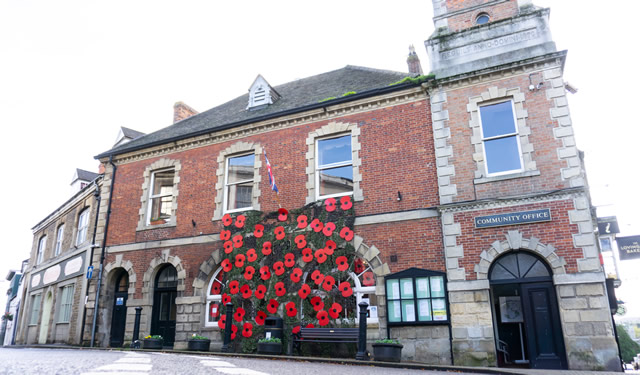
(629, 247)
(522, 217)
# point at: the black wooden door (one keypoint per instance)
(542, 325)
(118, 319)
(163, 321)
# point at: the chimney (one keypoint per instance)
(414, 62)
(182, 111)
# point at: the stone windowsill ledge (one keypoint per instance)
(484, 180)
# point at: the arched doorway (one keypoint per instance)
(163, 317)
(525, 312)
(119, 315)
(46, 317)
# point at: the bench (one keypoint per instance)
(337, 335)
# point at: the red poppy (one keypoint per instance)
(358, 266)
(240, 221)
(289, 260)
(328, 229)
(300, 241)
(304, 291)
(279, 232)
(316, 225)
(238, 315)
(317, 303)
(215, 310)
(278, 268)
(225, 235)
(280, 289)
(296, 330)
(237, 241)
(317, 277)
(258, 230)
(251, 255)
(272, 307)
(345, 288)
(260, 291)
(295, 275)
(321, 256)
(266, 248)
(302, 221)
(310, 325)
(226, 298)
(226, 265)
(282, 214)
(249, 272)
(368, 279)
(330, 204)
(342, 263)
(234, 331)
(335, 310)
(329, 246)
(328, 283)
(246, 291)
(260, 315)
(240, 260)
(247, 330)
(323, 318)
(234, 287)
(291, 309)
(222, 321)
(307, 255)
(227, 220)
(216, 288)
(346, 233)
(228, 247)
(265, 274)
(345, 203)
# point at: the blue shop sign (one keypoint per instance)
(513, 218)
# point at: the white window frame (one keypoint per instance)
(227, 184)
(59, 238)
(359, 291)
(515, 134)
(36, 300)
(212, 298)
(42, 247)
(66, 303)
(319, 168)
(160, 195)
(83, 226)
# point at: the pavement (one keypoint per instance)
(353, 362)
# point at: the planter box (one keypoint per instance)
(152, 344)
(387, 352)
(199, 345)
(270, 348)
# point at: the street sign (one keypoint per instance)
(89, 272)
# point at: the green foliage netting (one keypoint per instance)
(628, 347)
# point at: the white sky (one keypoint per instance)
(73, 72)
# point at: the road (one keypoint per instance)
(103, 362)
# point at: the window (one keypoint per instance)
(214, 298)
(605, 244)
(66, 301)
(334, 166)
(482, 18)
(41, 248)
(365, 289)
(83, 226)
(238, 182)
(500, 138)
(59, 237)
(415, 297)
(35, 308)
(161, 197)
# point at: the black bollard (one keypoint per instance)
(362, 337)
(135, 342)
(226, 345)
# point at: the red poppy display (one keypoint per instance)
(302, 221)
(215, 310)
(252, 255)
(346, 233)
(345, 288)
(228, 247)
(225, 235)
(342, 262)
(307, 255)
(272, 307)
(265, 274)
(260, 291)
(289, 260)
(234, 331)
(345, 203)
(260, 316)
(282, 214)
(247, 330)
(328, 283)
(226, 265)
(335, 310)
(295, 330)
(278, 268)
(249, 272)
(316, 225)
(216, 287)
(246, 291)
(240, 260)
(234, 287)
(291, 309)
(237, 241)
(225, 298)
(280, 289)
(222, 321)
(329, 247)
(317, 277)
(321, 256)
(240, 221)
(300, 241)
(304, 291)
(368, 279)
(227, 220)
(323, 318)
(266, 248)
(238, 315)
(258, 230)
(328, 229)
(296, 273)
(330, 204)
(317, 303)
(310, 325)
(279, 232)
(358, 266)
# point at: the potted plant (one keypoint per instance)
(152, 342)
(199, 343)
(387, 350)
(270, 346)
(7, 316)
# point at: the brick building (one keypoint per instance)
(455, 204)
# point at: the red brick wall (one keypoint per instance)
(468, 19)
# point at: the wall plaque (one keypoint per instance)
(513, 218)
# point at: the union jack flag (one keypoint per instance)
(272, 181)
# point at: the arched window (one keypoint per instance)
(518, 265)
(482, 18)
(122, 284)
(167, 278)
(214, 297)
(83, 227)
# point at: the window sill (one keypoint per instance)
(233, 212)
(170, 224)
(484, 180)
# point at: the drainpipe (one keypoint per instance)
(96, 194)
(102, 255)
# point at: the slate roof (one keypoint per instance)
(299, 95)
(130, 133)
(86, 175)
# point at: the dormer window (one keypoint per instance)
(261, 94)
